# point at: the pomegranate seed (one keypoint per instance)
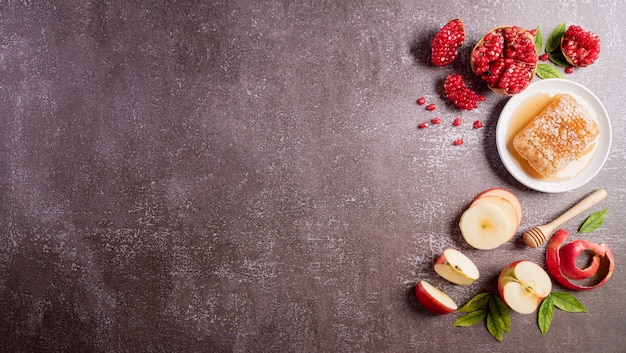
(477, 124)
(569, 69)
(423, 125)
(431, 107)
(436, 120)
(458, 142)
(544, 57)
(456, 122)
(421, 101)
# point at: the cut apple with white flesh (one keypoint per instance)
(456, 267)
(507, 195)
(523, 285)
(489, 222)
(434, 299)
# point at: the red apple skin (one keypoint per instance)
(429, 302)
(569, 253)
(553, 260)
(504, 275)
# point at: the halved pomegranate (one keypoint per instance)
(506, 59)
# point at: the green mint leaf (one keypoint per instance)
(471, 319)
(499, 312)
(558, 58)
(548, 71)
(479, 301)
(593, 221)
(538, 40)
(567, 302)
(554, 39)
(494, 328)
(544, 316)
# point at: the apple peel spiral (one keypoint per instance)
(562, 261)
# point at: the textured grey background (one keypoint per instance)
(237, 176)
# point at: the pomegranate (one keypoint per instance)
(459, 94)
(506, 59)
(580, 48)
(446, 42)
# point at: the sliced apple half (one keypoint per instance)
(523, 285)
(488, 223)
(507, 195)
(456, 267)
(433, 299)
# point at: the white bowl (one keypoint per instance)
(580, 172)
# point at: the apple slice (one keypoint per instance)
(456, 267)
(507, 195)
(523, 285)
(434, 299)
(488, 223)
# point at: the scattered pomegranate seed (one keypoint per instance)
(477, 124)
(544, 57)
(456, 122)
(431, 107)
(436, 120)
(421, 101)
(569, 69)
(423, 125)
(533, 31)
(458, 142)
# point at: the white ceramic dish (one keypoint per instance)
(595, 160)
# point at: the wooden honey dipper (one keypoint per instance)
(539, 234)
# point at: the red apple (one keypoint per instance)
(523, 285)
(434, 299)
(457, 268)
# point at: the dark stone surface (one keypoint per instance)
(202, 176)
